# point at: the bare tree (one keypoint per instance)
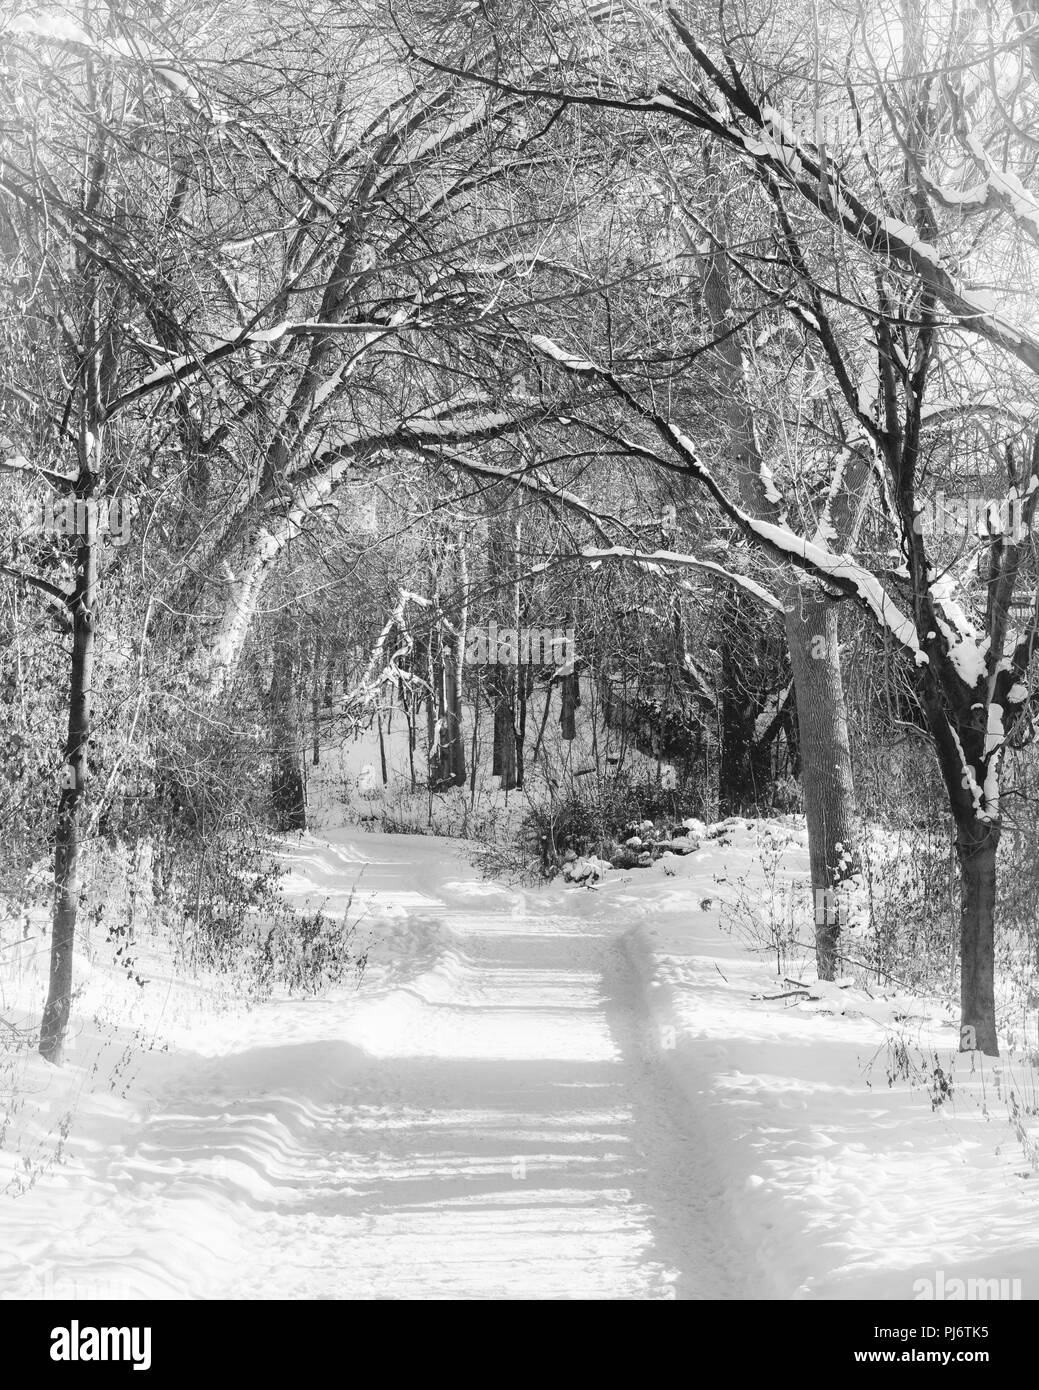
(232, 343)
(905, 234)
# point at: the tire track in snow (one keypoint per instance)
(496, 1125)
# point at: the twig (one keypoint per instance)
(789, 994)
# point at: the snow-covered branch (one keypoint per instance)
(840, 571)
(656, 561)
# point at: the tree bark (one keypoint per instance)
(826, 768)
(978, 830)
(744, 762)
(976, 846)
(503, 548)
(503, 695)
(74, 779)
(316, 699)
(449, 762)
(524, 687)
(826, 760)
(570, 698)
(288, 801)
(447, 639)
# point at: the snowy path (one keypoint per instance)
(486, 1117)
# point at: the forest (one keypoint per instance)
(590, 449)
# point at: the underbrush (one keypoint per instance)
(224, 904)
(770, 911)
(161, 935)
(624, 820)
(899, 914)
(900, 944)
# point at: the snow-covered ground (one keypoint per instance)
(556, 1093)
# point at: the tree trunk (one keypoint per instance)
(316, 699)
(410, 714)
(811, 624)
(570, 698)
(959, 739)
(73, 791)
(433, 677)
(743, 765)
(544, 721)
(447, 654)
(976, 844)
(288, 801)
(503, 695)
(524, 686)
(826, 760)
(449, 770)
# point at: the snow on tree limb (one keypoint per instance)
(17, 464)
(530, 481)
(660, 559)
(187, 365)
(841, 571)
(775, 148)
(760, 135)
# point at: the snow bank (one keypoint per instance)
(846, 1184)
